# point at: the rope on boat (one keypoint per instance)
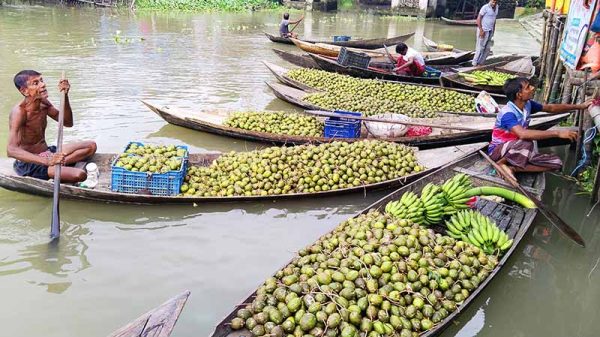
(588, 137)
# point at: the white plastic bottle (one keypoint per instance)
(92, 176)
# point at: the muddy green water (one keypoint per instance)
(116, 262)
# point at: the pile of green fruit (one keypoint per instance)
(374, 96)
(486, 77)
(277, 122)
(152, 158)
(374, 276)
(301, 169)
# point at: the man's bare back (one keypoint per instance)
(27, 133)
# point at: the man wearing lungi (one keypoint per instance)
(512, 145)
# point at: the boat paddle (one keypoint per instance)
(554, 219)
(55, 224)
(366, 119)
(296, 25)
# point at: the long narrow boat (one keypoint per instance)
(332, 65)
(543, 121)
(213, 122)
(431, 159)
(432, 46)
(332, 50)
(364, 44)
(456, 81)
(511, 218)
(280, 75)
(158, 322)
(380, 55)
(303, 60)
(459, 22)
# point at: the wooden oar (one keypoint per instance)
(554, 219)
(392, 61)
(367, 119)
(55, 224)
(296, 25)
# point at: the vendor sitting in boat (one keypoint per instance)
(284, 30)
(410, 63)
(512, 145)
(27, 133)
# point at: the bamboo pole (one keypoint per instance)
(581, 99)
(545, 41)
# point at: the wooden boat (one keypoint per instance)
(332, 65)
(364, 44)
(213, 122)
(380, 55)
(431, 159)
(159, 322)
(542, 121)
(511, 218)
(456, 81)
(280, 75)
(432, 46)
(459, 22)
(303, 61)
(331, 50)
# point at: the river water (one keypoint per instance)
(116, 262)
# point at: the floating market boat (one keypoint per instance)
(455, 80)
(510, 217)
(430, 159)
(432, 46)
(380, 55)
(158, 322)
(280, 75)
(333, 50)
(364, 44)
(300, 60)
(331, 65)
(459, 22)
(214, 122)
(543, 121)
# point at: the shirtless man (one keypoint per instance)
(27, 133)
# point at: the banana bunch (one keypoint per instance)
(409, 207)
(434, 203)
(479, 230)
(486, 77)
(455, 190)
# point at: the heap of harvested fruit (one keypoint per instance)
(277, 122)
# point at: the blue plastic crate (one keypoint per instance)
(342, 129)
(431, 72)
(169, 183)
(341, 38)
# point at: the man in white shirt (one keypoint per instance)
(410, 62)
(486, 25)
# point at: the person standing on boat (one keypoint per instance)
(486, 25)
(27, 132)
(410, 62)
(284, 30)
(512, 145)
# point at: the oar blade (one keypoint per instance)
(554, 219)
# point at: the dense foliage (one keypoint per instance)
(206, 5)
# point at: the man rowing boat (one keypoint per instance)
(512, 144)
(27, 132)
(284, 30)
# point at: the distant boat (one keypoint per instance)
(460, 22)
(364, 44)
